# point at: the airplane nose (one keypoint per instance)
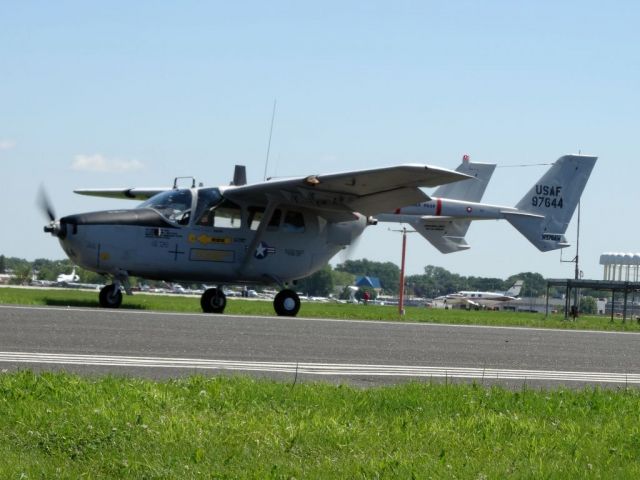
(57, 229)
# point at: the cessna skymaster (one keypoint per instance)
(272, 232)
(542, 215)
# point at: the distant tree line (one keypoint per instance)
(435, 281)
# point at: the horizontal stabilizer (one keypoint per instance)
(446, 235)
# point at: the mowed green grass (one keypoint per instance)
(55, 425)
(236, 306)
(65, 426)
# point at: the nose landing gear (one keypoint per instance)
(110, 296)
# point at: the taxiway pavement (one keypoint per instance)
(162, 345)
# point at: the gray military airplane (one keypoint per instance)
(271, 232)
(542, 215)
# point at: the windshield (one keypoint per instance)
(175, 205)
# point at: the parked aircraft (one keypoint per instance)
(271, 232)
(482, 299)
(542, 215)
(66, 278)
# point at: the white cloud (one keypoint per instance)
(99, 163)
(6, 144)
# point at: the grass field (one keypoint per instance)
(55, 425)
(235, 306)
(63, 426)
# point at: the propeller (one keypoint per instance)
(45, 204)
(46, 207)
(349, 252)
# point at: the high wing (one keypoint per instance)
(337, 195)
(125, 193)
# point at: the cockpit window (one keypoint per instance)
(214, 211)
(175, 205)
(208, 199)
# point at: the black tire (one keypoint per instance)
(286, 303)
(110, 297)
(213, 300)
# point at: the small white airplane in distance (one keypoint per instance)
(67, 278)
(542, 215)
(272, 232)
(482, 299)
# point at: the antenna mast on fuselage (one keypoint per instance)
(266, 162)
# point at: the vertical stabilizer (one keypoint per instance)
(515, 289)
(544, 213)
(470, 190)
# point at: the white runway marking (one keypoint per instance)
(334, 369)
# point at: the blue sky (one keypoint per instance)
(136, 93)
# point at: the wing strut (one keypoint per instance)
(257, 238)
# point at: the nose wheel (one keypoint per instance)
(213, 300)
(110, 296)
(287, 303)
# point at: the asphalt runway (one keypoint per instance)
(165, 345)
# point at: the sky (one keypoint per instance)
(124, 94)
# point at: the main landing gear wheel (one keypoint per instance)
(110, 296)
(287, 303)
(213, 300)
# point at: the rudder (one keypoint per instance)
(544, 213)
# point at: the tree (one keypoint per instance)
(342, 279)
(22, 274)
(588, 305)
(2, 264)
(445, 281)
(360, 293)
(534, 284)
(318, 284)
(487, 284)
(387, 272)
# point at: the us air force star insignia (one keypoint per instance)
(262, 250)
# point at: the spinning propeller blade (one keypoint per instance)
(45, 204)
